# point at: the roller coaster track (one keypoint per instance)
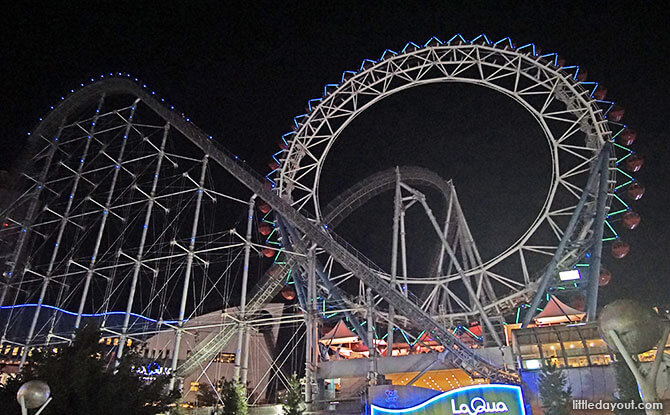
(457, 353)
(273, 280)
(366, 189)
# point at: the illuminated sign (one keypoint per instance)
(471, 400)
(153, 369)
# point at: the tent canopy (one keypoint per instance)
(340, 334)
(557, 312)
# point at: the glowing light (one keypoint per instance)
(533, 364)
(108, 313)
(569, 275)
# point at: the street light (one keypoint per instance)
(33, 394)
(631, 328)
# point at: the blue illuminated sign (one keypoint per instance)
(153, 369)
(471, 400)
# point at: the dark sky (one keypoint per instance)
(242, 72)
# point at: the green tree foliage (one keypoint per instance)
(234, 398)
(293, 403)
(207, 396)
(556, 398)
(626, 385)
(83, 382)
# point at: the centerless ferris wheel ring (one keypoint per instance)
(571, 112)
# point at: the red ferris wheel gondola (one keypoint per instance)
(264, 229)
(631, 220)
(627, 137)
(604, 278)
(634, 163)
(616, 113)
(635, 191)
(264, 207)
(620, 249)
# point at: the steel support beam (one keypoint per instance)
(143, 238)
(243, 292)
(550, 270)
(598, 227)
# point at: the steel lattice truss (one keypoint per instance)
(574, 123)
(119, 220)
(129, 214)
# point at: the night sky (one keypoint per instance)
(242, 73)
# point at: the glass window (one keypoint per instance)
(530, 351)
(601, 359)
(580, 361)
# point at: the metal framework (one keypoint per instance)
(133, 217)
(117, 223)
(574, 123)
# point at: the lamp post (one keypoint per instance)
(33, 394)
(630, 328)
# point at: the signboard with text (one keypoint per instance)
(471, 400)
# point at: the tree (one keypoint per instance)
(552, 385)
(83, 381)
(626, 387)
(293, 403)
(207, 396)
(234, 398)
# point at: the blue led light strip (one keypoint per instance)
(109, 313)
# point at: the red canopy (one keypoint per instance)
(340, 334)
(557, 312)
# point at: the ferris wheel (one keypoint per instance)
(577, 123)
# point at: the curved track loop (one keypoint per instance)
(365, 190)
(574, 123)
(338, 210)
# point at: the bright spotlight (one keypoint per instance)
(569, 275)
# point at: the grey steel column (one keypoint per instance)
(243, 293)
(245, 357)
(61, 230)
(372, 351)
(397, 206)
(550, 270)
(143, 239)
(599, 223)
(105, 215)
(311, 335)
(188, 271)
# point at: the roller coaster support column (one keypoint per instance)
(596, 254)
(333, 290)
(245, 356)
(464, 278)
(311, 330)
(189, 270)
(243, 293)
(61, 232)
(104, 216)
(550, 271)
(372, 351)
(397, 206)
(26, 226)
(145, 228)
